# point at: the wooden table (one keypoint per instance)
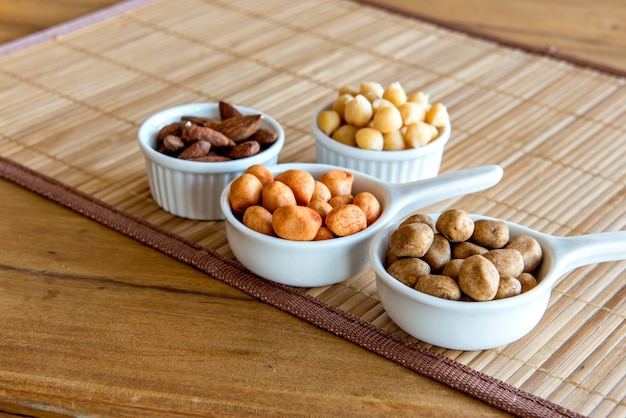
(97, 323)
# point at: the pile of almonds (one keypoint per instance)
(233, 136)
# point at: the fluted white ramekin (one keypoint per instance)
(393, 166)
(192, 189)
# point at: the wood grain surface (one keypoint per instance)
(98, 324)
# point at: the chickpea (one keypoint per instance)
(437, 115)
(395, 93)
(339, 105)
(348, 90)
(372, 88)
(418, 97)
(369, 138)
(358, 111)
(393, 141)
(419, 134)
(412, 112)
(387, 119)
(346, 134)
(328, 121)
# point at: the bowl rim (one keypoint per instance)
(405, 291)
(154, 122)
(372, 155)
(230, 217)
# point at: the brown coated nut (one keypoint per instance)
(439, 286)
(296, 223)
(452, 268)
(276, 194)
(439, 253)
(338, 181)
(262, 173)
(301, 182)
(320, 206)
(244, 149)
(411, 240)
(323, 234)
(466, 248)
(508, 261)
(321, 192)
(509, 286)
(258, 219)
(406, 270)
(340, 200)
(346, 220)
(528, 281)
(420, 217)
(530, 250)
(245, 191)
(369, 204)
(455, 224)
(490, 233)
(479, 278)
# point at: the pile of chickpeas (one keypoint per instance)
(457, 258)
(375, 117)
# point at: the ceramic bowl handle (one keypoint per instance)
(578, 251)
(410, 197)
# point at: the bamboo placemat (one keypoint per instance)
(70, 107)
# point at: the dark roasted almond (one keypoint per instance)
(227, 110)
(244, 149)
(264, 137)
(193, 133)
(196, 150)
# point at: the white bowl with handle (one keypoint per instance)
(461, 325)
(320, 263)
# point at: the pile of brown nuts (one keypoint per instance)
(231, 137)
(458, 258)
(296, 206)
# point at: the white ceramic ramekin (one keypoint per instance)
(192, 189)
(392, 166)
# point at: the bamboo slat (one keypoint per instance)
(557, 129)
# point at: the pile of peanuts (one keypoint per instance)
(458, 258)
(375, 117)
(296, 206)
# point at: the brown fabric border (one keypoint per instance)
(291, 300)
